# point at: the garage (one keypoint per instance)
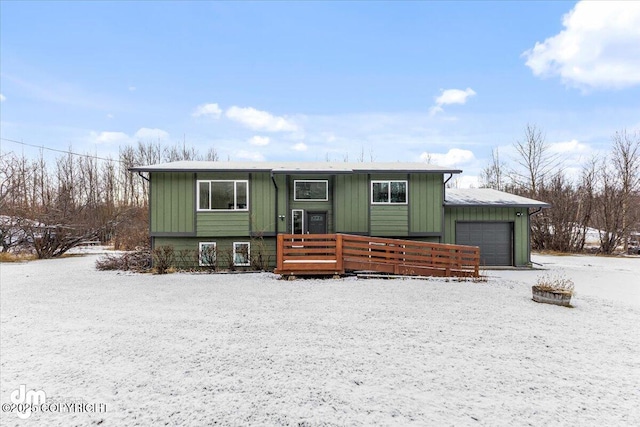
(495, 240)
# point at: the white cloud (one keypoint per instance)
(454, 157)
(207, 110)
(259, 140)
(249, 155)
(260, 120)
(467, 181)
(451, 96)
(110, 138)
(569, 147)
(599, 47)
(2, 98)
(300, 146)
(151, 134)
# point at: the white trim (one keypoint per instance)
(326, 182)
(244, 264)
(389, 181)
(293, 220)
(235, 195)
(215, 253)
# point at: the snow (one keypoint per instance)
(248, 349)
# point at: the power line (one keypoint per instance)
(61, 151)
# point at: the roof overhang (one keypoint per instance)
(487, 197)
(295, 167)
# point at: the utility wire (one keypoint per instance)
(61, 151)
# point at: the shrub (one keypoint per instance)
(228, 259)
(555, 283)
(138, 261)
(259, 256)
(186, 259)
(163, 259)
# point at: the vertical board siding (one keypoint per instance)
(262, 203)
(283, 214)
(352, 203)
(172, 203)
(520, 226)
(425, 203)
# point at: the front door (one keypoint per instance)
(317, 222)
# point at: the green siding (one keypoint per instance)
(425, 203)
(262, 203)
(520, 228)
(283, 214)
(222, 175)
(310, 206)
(222, 223)
(351, 203)
(186, 249)
(172, 203)
(389, 220)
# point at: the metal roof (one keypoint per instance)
(479, 197)
(295, 167)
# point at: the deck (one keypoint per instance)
(336, 254)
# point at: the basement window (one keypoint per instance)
(207, 254)
(388, 192)
(241, 253)
(219, 195)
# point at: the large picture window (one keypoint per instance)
(388, 192)
(311, 190)
(223, 195)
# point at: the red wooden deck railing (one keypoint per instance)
(300, 254)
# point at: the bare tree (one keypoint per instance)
(609, 208)
(626, 162)
(493, 176)
(536, 162)
(212, 155)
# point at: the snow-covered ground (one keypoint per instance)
(248, 349)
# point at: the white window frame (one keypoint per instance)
(215, 253)
(302, 215)
(326, 186)
(235, 195)
(389, 181)
(244, 264)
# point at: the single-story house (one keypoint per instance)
(228, 211)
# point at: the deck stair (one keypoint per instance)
(337, 254)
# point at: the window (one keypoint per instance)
(297, 221)
(317, 190)
(223, 195)
(207, 254)
(388, 192)
(241, 255)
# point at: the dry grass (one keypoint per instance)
(555, 283)
(12, 257)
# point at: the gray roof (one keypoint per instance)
(294, 167)
(488, 197)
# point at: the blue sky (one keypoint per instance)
(313, 80)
